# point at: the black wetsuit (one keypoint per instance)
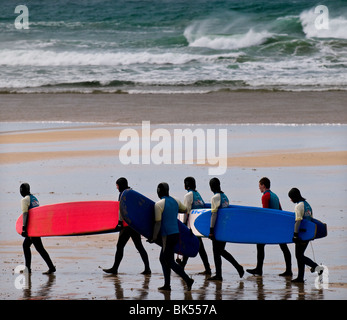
(37, 242)
(167, 260)
(125, 234)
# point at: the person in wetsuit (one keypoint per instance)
(220, 200)
(302, 211)
(193, 200)
(166, 223)
(125, 234)
(270, 200)
(29, 201)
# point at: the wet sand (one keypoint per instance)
(79, 275)
(80, 162)
(218, 107)
(277, 158)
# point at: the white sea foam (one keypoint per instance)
(18, 57)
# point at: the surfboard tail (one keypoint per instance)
(315, 232)
(321, 229)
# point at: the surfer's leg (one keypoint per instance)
(136, 237)
(308, 261)
(216, 246)
(299, 254)
(258, 270)
(204, 258)
(226, 255)
(27, 252)
(44, 254)
(287, 259)
(124, 236)
(260, 256)
(171, 241)
(165, 266)
(184, 261)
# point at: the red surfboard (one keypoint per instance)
(71, 219)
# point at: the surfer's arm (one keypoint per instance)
(25, 223)
(215, 203)
(25, 203)
(299, 215)
(156, 230)
(213, 219)
(181, 207)
(265, 200)
(158, 211)
(188, 201)
(297, 226)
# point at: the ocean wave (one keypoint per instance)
(229, 42)
(220, 45)
(225, 31)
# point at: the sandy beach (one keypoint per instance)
(67, 148)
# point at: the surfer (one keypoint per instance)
(193, 200)
(270, 200)
(220, 200)
(29, 201)
(302, 211)
(125, 234)
(166, 211)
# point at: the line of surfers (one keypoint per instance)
(166, 211)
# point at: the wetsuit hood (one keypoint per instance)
(24, 189)
(163, 190)
(189, 183)
(215, 185)
(122, 184)
(295, 195)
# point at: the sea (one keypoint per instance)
(172, 46)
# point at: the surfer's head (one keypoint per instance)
(295, 195)
(264, 184)
(122, 184)
(215, 185)
(24, 189)
(163, 190)
(189, 183)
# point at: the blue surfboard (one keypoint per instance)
(241, 224)
(189, 221)
(138, 212)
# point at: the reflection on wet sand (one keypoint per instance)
(44, 289)
(78, 278)
(125, 287)
(119, 291)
